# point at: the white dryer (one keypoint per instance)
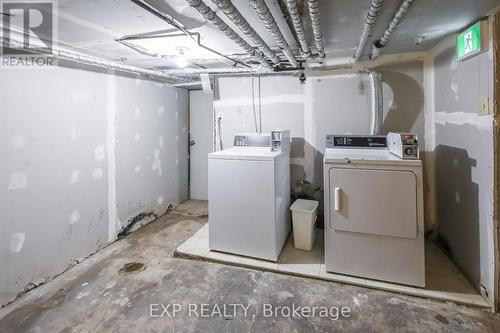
(374, 220)
(249, 196)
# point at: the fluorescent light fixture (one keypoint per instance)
(169, 46)
(181, 61)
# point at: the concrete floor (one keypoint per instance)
(102, 295)
(443, 280)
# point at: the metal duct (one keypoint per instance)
(377, 103)
(212, 17)
(268, 19)
(382, 42)
(371, 18)
(298, 25)
(316, 27)
(235, 16)
(63, 54)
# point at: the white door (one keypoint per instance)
(376, 202)
(200, 124)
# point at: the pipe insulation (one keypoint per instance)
(212, 17)
(71, 56)
(314, 13)
(377, 103)
(235, 16)
(298, 25)
(379, 45)
(267, 18)
(371, 19)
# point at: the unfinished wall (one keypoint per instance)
(83, 154)
(281, 102)
(328, 103)
(464, 162)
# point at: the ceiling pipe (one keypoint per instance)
(314, 13)
(371, 18)
(379, 45)
(267, 18)
(71, 56)
(189, 84)
(198, 71)
(212, 17)
(298, 25)
(235, 16)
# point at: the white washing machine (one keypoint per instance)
(249, 196)
(374, 220)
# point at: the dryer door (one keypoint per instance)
(376, 202)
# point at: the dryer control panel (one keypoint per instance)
(356, 141)
(404, 145)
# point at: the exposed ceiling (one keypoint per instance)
(93, 26)
(431, 19)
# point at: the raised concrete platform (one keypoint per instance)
(444, 281)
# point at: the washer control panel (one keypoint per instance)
(240, 141)
(280, 140)
(252, 140)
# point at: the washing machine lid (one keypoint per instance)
(247, 153)
(366, 156)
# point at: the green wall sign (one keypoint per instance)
(472, 41)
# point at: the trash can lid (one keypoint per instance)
(304, 205)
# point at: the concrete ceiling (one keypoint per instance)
(431, 19)
(92, 26)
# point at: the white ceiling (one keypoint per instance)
(92, 26)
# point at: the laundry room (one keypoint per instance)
(249, 165)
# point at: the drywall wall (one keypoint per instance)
(464, 161)
(84, 156)
(281, 102)
(326, 104)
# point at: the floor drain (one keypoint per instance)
(132, 267)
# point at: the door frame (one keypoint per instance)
(496, 152)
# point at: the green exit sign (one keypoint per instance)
(472, 41)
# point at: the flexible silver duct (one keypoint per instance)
(382, 42)
(212, 17)
(377, 103)
(235, 16)
(67, 55)
(371, 18)
(298, 25)
(267, 18)
(314, 13)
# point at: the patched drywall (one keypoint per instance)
(82, 153)
(464, 162)
(281, 102)
(147, 150)
(326, 104)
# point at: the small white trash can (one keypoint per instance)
(304, 215)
